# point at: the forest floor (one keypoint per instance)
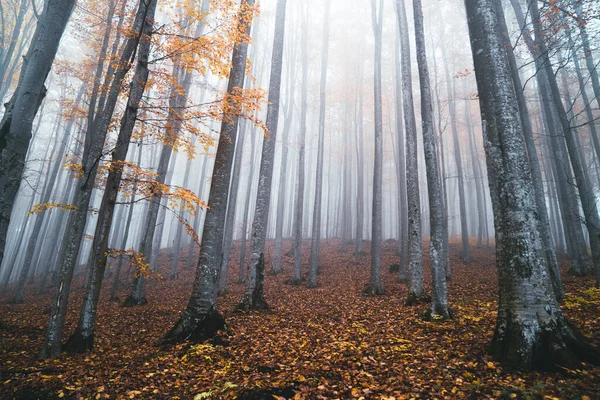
(328, 342)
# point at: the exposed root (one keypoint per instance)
(78, 343)
(196, 328)
(413, 299)
(438, 314)
(131, 301)
(548, 344)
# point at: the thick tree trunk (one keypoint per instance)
(253, 297)
(536, 173)
(531, 331)
(416, 287)
(439, 299)
(316, 227)
(200, 319)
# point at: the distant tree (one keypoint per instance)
(316, 226)
(299, 193)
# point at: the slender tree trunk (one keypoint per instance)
(201, 318)
(439, 299)
(94, 143)
(316, 227)
(299, 195)
(115, 284)
(83, 337)
(416, 287)
(375, 286)
(464, 230)
(401, 170)
(253, 297)
(283, 170)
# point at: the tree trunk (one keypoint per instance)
(531, 331)
(299, 195)
(83, 337)
(464, 230)
(375, 286)
(316, 227)
(253, 297)
(439, 299)
(200, 319)
(416, 287)
(17, 123)
(93, 146)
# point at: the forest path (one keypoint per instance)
(332, 341)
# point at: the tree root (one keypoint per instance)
(78, 343)
(196, 328)
(548, 344)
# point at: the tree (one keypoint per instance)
(375, 286)
(201, 319)
(416, 288)
(531, 331)
(299, 194)
(95, 136)
(439, 298)
(17, 123)
(83, 338)
(253, 297)
(316, 226)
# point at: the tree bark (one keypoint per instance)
(201, 319)
(416, 287)
(531, 331)
(316, 227)
(253, 297)
(439, 299)
(17, 123)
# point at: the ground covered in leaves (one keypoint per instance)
(328, 342)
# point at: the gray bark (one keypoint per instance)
(439, 299)
(316, 226)
(17, 123)
(200, 318)
(93, 146)
(536, 173)
(375, 286)
(531, 331)
(299, 194)
(253, 297)
(416, 287)
(401, 160)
